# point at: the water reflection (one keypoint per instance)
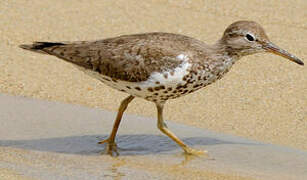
(114, 170)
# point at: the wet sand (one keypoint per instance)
(55, 145)
(263, 97)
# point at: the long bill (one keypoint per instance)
(270, 47)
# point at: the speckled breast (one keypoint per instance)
(171, 83)
(167, 85)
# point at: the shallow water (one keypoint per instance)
(59, 141)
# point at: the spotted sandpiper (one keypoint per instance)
(161, 66)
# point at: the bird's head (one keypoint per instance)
(248, 37)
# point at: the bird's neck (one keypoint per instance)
(222, 52)
(222, 47)
(221, 58)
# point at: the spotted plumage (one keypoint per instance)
(142, 61)
(161, 66)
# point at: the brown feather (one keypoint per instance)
(130, 57)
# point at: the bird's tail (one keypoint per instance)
(40, 46)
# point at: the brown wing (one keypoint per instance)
(131, 58)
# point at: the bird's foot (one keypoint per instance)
(191, 151)
(110, 148)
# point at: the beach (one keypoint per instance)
(262, 98)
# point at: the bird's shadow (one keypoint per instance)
(139, 144)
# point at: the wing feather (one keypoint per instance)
(130, 58)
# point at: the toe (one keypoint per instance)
(103, 141)
(111, 149)
(191, 151)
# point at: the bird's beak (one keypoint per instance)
(270, 47)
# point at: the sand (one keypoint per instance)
(263, 97)
(47, 140)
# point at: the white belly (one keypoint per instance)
(160, 87)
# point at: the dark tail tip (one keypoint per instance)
(42, 45)
(39, 45)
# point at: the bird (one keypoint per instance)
(160, 66)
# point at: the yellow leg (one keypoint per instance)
(111, 145)
(162, 126)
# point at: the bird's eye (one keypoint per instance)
(250, 37)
